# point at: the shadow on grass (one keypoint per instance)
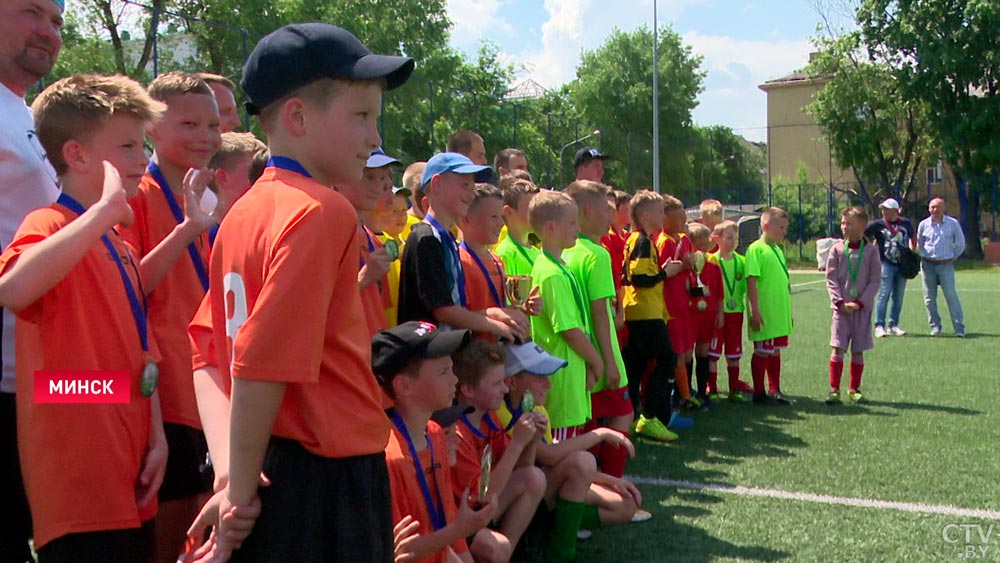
(664, 538)
(924, 407)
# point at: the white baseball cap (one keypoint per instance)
(531, 358)
(890, 203)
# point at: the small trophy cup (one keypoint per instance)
(518, 289)
(483, 490)
(700, 291)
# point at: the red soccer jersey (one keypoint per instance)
(81, 462)
(675, 288)
(407, 496)
(173, 302)
(711, 278)
(465, 474)
(286, 307)
(614, 242)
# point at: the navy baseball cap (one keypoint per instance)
(448, 416)
(586, 154)
(454, 162)
(392, 348)
(295, 55)
(378, 159)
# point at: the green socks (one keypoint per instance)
(591, 518)
(566, 520)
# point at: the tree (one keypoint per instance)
(727, 167)
(614, 90)
(946, 54)
(871, 127)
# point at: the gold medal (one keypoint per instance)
(485, 467)
(392, 248)
(702, 305)
(150, 377)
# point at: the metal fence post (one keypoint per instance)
(515, 124)
(430, 101)
(802, 229)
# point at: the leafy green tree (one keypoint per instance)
(727, 167)
(872, 128)
(946, 55)
(614, 90)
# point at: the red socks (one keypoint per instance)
(734, 377)
(836, 370)
(758, 366)
(856, 370)
(774, 372)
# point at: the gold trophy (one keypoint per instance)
(518, 289)
(699, 292)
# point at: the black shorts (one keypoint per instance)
(16, 529)
(321, 510)
(134, 545)
(188, 471)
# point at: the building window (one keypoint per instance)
(934, 174)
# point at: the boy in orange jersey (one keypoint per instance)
(375, 258)
(484, 272)
(91, 471)
(235, 167)
(707, 313)
(305, 407)
(674, 244)
(413, 364)
(514, 479)
(175, 276)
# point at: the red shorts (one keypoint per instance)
(681, 337)
(703, 326)
(563, 434)
(610, 403)
(730, 337)
(770, 346)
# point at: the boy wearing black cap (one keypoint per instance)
(589, 164)
(306, 409)
(431, 279)
(412, 362)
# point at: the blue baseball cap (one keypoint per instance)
(295, 55)
(61, 4)
(457, 163)
(378, 159)
(531, 358)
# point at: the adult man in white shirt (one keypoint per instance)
(30, 41)
(941, 243)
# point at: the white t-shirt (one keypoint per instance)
(27, 182)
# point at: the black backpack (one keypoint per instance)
(909, 261)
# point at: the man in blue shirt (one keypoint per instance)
(941, 243)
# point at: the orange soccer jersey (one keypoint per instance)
(375, 298)
(407, 496)
(286, 308)
(465, 474)
(200, 335)
(481, 292)
(81, 462)
(174, 300)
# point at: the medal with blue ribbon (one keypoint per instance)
(435, 510)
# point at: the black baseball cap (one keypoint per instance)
(392, 348)
(586, 154)
(448, 416)
(295, 55)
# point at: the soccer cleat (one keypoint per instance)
(833, 398)
(896, 331)
(641, 516)
(744, 387)
(583, 535)
(714, 396)
(762, 399)
(653, 429)
(678, 422)
(960, 334)
(779, 398)
(856, 397)
(692, 403)
(880, 332)
(935, 330)
(736, 397)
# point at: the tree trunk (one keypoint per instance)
(154, 26)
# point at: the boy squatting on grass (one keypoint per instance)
(853, 276)
(66, 272)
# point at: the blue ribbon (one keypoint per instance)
(175, 208)
(451, 254)
(286, 163)
(486, 418)
(498, 297)
(436, 511)
(138, 309)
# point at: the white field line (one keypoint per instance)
(919, 508)
(809, 282)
